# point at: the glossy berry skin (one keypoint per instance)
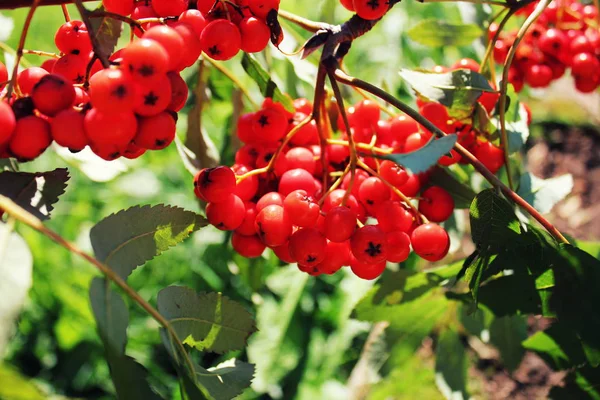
(301, 208)
(221, 40)
(121, 7)
(261, 8)
(367, 270)
(30, 139)
(370, 9)
(247, 226)
(52, 94)
(247, 188)
(156, 132)
(215, 184)
(71, 67)
(300, 157)
(255, 35)
(553, 41)
(297, 179)
(368, 244)
(73, 38)
(393, 216)
(228, 214)
(436, 204)
(193, 48)
(247, 246)
(430, 241)
(348, 4)
(273, 226)
(110, 130)
(490, 155)
(585, 65)
(153, 98)
(166, 8)
(3, 74)
(8, 123)
(179, 92)
(283, 253)
(68, 130)
(112, 91)
(308, 246)
(393, 173)
(194, 19)
(398, 246)
(170, 40)
(373, 192)
(146, 60)
(270, 199)
(28, 78)
(269, 125)
(340, 224)
(337, 255)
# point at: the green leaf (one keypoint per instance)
(227, 380)
(267, 87)
(451, 365)
(457, 90)
(493, 221)
(426, 157)
(206, 321)
(544, 194)
(112, 318)
(108, 31)
(583, 383)
(439, 33)
(131, 237)
(462, 193)
(17, 387)
(558, 345)
(506, 334)
(35, 192)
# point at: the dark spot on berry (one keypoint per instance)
(79, 79)
(150, 99)
(206, 178)
(146, 70)
(114, 155)
(214, 50)
(120, 91)
(160, 142)
(373, 249)
(374, 4)
(370, 202)
(261, 233)
(263, 121)
(307, 199)
(311, 259)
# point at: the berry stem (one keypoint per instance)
(487, 57)
(19, 54)
(231, 76)
(85, 17)
(41, 53)
(65, 11)
(22, 215)
(504, 83)
(361, 146)
(467, 155)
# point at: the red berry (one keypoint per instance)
(247, 246)
(416, 141)
(402, 126)
(30, 138)
(340, 224)
(221, 40)
(348, 4)
(73, 38)
(179, 92)
(121, 7)
(307, 134)
(437, 114)
(106, 130)
(112, 91)
(297, 179)
(71, 67)
(368, 244)
(169, 8)
(431, 242)
(269, 199)
(194, 19)
(146, 60)
(393, 216)
(335, 198)
(247, 226)
(553, 41)
(255, 35)
(261, 8)
(436, 204)
(8, 123)
(52, 94)
(68, 130)
(141, 11)
(368, 112)
(247, 188)
(269, 125)
(373, 192)
(370, 9)
(156, 132)
(367, 270)
(3, 75)
(170, 40)
(228, 214)
(47, 65)
(538, 75)
(337, 255)
(215, 184)
(300, 157)
(308, 246)
(283, 253)
(490, 155)
(585, 65)
(411, 187)
(193, 48)
(466, 63)
(398, 244)
(273, 226)
(153, 98)
(133, 151)
(28, 78)
(393, 173)
(301, 208)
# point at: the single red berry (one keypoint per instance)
(335, 198)
(373, 192)
(585, 65)
(3, 75)
(273, 226)
(179, 92)
(370, 9)
(301, 208)
(221, 40)
(169, 8)
(152, 98)
(283, 253)
(308, 246)
(367, 270)
(340, 224)
(538, 75)
(193, 48)
(133, 151)
(300, 157)
(170, 40)
(393, 173)
(261, 8)
(337, 255)
(68, 130)
(228, 214)
(393, 216)
(437, 114)
(73, 38)
(587, 85)
(307, 134)
(368, 244)
(30, 138)
(247, 188)
(402, 126)
(416, 141)
(255, 35)
(143, 10)
(194, 19)
(247, 246)
(146, 60)
(108, 130)
(71, 67)
(431, 242)
(269, 125)
(112, 91)
(215, 184)
(368, 112)
(8, 122)
(466, 63)
(269, 199)
(247, 226)
(156, 132)
(398, 244)
(52, 94)
(121, 7)
(348, 4)
(553, 41)
(47, 65)
(436, 204)
(490, 155)
(297, 179)
(411, 187)
(28, 78)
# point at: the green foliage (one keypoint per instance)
(206, 321)
(439, 33)
(17, 387)
(426, 157)
(130, 238)
(267, 86)
(558, 346)
(451, 364)
(493, 221)
(35, 192)
(108, 31)
(507, 333)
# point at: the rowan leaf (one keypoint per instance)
(267, 86)
(426, 157)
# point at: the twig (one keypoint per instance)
(467, 155)
(65, 11)
(306, 24)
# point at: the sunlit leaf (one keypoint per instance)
(440, 33)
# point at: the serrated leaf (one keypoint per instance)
(35, 192)
(227, 380)
(440, 33)
(544, 194)
(131, 237)
(558, 345)
(506, 334)
(493, 221)
(462, 193)
(112, 318)
(457, 90)
(451, 365)
(267, 87)
(108, 31)
(206, 321)
(426, 157)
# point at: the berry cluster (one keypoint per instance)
(367, 9)
(274, 196)
(564, 37)
(223, 27)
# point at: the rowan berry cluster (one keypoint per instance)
(224, 27)
(564, 37)
(273, 196)
(367, 9)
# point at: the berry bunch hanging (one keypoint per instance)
(273, 196)
(565, 37)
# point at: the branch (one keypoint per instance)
(467, 155)
(12, 4)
